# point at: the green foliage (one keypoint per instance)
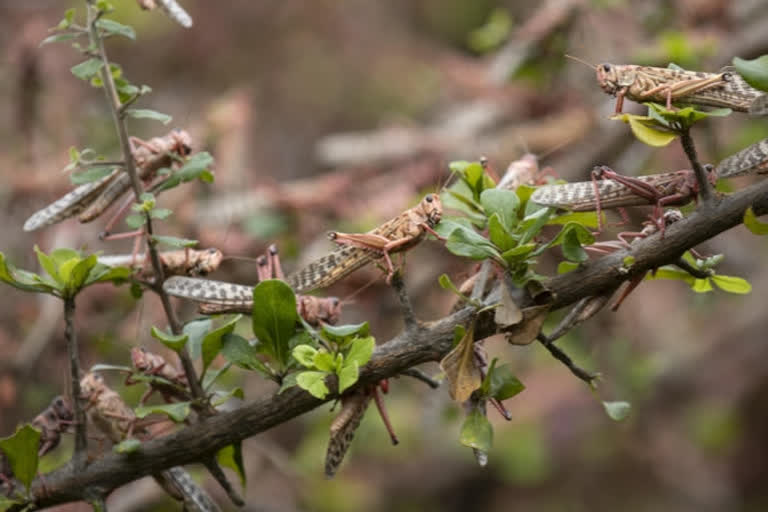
(500, 383)
(493, 33)
(754, 71)
(196, 167)
(661, 126)
(21, 451)
(175, 342)
(68, 271)
(730, 284)
(339, 351)
(176, 412)
(476, 431)
(232, 457)
(754, 225)
(617, 411)
(144, 113)
(274, 319)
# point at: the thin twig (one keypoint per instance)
(409, 318)
(695, 272)
(705, 189)
(70, 334)
(217, 473)
(561, 356)
(420, 375)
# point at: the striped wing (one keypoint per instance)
(750, 160)
(71, 204)
(330, 268)
(209, 291)
(176, 12)
(343, 429)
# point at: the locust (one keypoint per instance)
(395, 235)
(608, 189)
(343, 427)
(172, 382)
(646, 83)
(750, 160)
(90, 200)
(217, 297)
(189, 262)
(112, 416)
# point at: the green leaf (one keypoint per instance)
(754, 71)
(532, 223)
(643, 129)
(175, 342)
(447, 284)
(288, 382)
(110, 367)
(305, 355)
(136, 220)
(324, 361)
(177, 411)
(701, 286)
(239, 351)
(128, 446)
(566, 266)
(754, 225)
(172, 241)
(348, 375)
(343, 333)
(112, 27)
(211, 377)
(503, 384)
(499, 234)
(160, 213)
(505, 203)
(145, 113)
(232, 457)
(274, 320)
(211, 345)
(91, 174)
(21, 451)
(469, 244)
(586, 219)
(57, 38)
(196, 330)
(85, 70)
(102, 273)
(518, 254)
(493, 33)
(22, 279)
(49, 265)
(732, 284)
(572, 249)
(617, 411)
(477, 432)
(360, 351)
(7, 503)
(196, 167)
(314, 383)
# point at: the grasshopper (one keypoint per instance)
(608, 189)
(398, 234)
(218, 297)
(107, 410)
(750, 160)
(343, 427)
(189, 262)
(172, 383)
(90, 200)
(647, 83)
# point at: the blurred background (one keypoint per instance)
(340, 114)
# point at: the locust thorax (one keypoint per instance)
(611, 77)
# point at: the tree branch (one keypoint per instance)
(429, 342)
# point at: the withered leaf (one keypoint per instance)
(461, 370)
(526, 331)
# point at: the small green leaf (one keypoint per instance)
(324, 361)
(85, 70)
(274, 317)
(91, 174)
(469, 244)
(136, 220)
(505, 203)
(305, 355)
(348, 375)
(239, 351)
(177, 411)
(175, 342)
(617, 411)
(342, 333)
(49, 265)
(196, 330)
(503, 384)
(211, 344)
(644, 130)
(21, 451)
(628, 261)
(196, 167)
(572, 249)
(145, 113)
(732, 284)
(754, 71)
(160, 213)
(112, 27)
(586, 219)
(288, 382)
(519, 253)
(532, 223)
(754, 225)
(22, 279)
(477, 432)
(702, 286)
(499, 234)
(128, 446)
(566, 266)
(447, 284)
(314, 383)
(232, 457)
(361, 350)
(57, 38)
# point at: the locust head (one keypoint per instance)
(432, 209)
(182, 142)
(91, 386)
(612, 78)
(62, 409)
(208, 262)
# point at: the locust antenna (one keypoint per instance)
(580, 60)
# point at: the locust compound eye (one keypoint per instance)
(606, 67)
(429, 198)
(335, 302)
